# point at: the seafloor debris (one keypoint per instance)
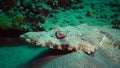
(83, 37)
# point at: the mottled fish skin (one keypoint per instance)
(83, 37)
(49, 44)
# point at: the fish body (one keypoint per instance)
(74, 38)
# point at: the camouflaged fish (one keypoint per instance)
(74, 38)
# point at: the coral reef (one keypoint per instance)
(116, 24)
(5, 22)
(62, 3)
(15, 23)
(24, 12)
(57, 12)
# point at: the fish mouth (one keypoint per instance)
(26, 38)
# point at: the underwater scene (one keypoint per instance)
(59, 33)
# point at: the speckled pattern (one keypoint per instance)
(82, 37)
